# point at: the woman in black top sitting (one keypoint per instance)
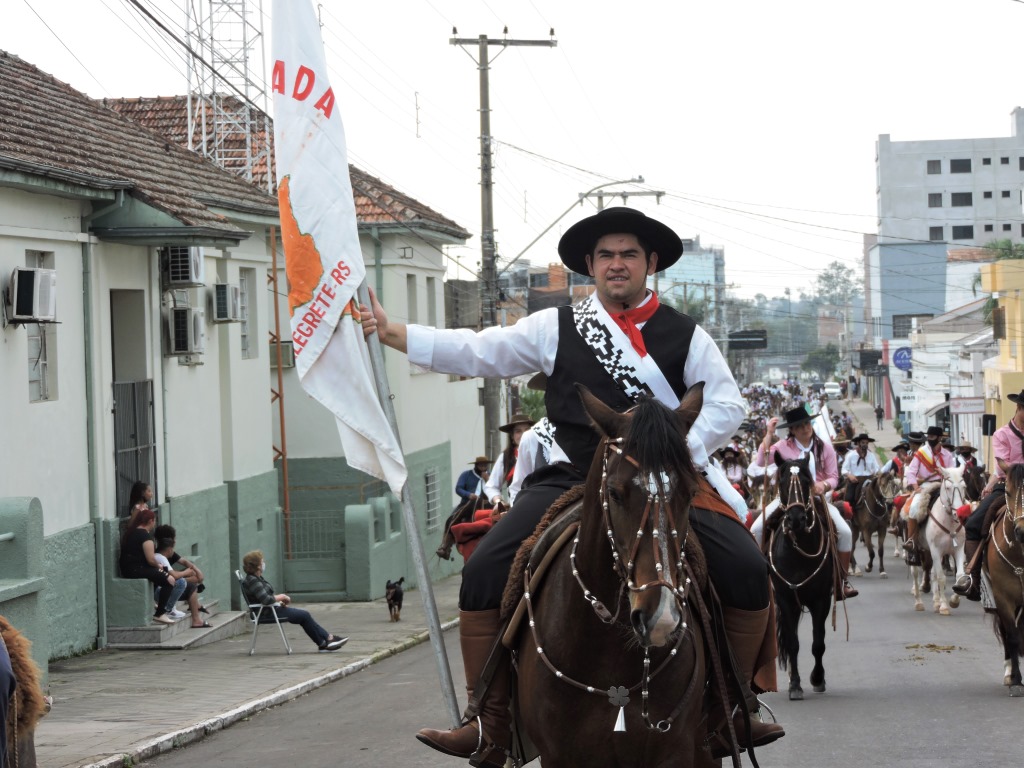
(137, 560)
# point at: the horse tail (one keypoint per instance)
(32, 703)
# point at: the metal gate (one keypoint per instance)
(134, 439)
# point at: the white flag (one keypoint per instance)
(321, 244)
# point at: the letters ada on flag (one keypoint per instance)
(321, 245)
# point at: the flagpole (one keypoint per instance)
(426, 588)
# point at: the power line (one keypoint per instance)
(48, 27)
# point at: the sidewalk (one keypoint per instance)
(864, 421)
(113, 705)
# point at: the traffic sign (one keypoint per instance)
(901, 358)
(876, 370)
(752, 339)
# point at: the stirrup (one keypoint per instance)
(963, 584)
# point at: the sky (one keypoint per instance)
(757, 120)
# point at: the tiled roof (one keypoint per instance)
(48, 128)
(377, 203)
(969, 254)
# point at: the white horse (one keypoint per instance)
(944, 535)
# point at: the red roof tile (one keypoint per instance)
(377, 203)
(48, 128)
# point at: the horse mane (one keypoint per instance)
(31, 702)
(655, 443)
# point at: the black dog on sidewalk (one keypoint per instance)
(394, 594)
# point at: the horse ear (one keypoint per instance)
(689, 407)
(606, 420)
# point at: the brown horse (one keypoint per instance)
(1004, 558)
(622, 685)
(28, 705)
(872, 515)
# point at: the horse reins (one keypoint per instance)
(1018, 570)
(957, 525)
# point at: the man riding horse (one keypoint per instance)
(803, 441)
(922, 478)
(622, 344)
(859, 466)
(1008, 448)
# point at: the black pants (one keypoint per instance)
(977, 519)
(736, 566)
(159, 579)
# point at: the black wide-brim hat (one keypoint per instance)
(1018, 398)
(904, 446)
(795, 417)
(915, 437)
(862, 436)
(579, 240)
(517, 418)
(934, 431)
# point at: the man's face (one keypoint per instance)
(481, 468)
(862, 447)
(620, 268)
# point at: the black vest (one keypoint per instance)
(667, 336)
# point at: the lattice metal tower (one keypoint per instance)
(228, 105)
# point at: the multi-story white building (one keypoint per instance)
(963, 191)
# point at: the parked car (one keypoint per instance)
(833, 390)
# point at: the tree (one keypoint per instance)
(532, 403)
(837, 285)
(999, 250)
(822, 361)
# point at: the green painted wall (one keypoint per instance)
(348, 540)
(70, 598)
(202, 523)
(22, 582)
(254, 519)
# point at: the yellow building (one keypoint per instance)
(1005, 374)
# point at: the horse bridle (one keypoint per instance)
(881, 499)
(1012, 516)
(618, 695)
(795, 490)
(957, 525)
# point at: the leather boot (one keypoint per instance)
(910, 544)
(745, 631)
(969, 585)
(478, 632)
(844, 589)
(447, 542)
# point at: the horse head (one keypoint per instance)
(1015, 499)
(795, 483)
(953, 490)
(646, 480)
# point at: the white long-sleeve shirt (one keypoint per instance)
(532, 344)
(852, 465)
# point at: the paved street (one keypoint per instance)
(908, 689)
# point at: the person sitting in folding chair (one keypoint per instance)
(258, 590)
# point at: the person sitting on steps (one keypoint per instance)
(622, 344)
(921, 478)
(803, 441)
(1007, 445)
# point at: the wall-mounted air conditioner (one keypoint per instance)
(186, 331)
(182, 266)
(226, 303)
(32, 295)
(287, 355)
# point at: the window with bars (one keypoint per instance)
(935, 233)
(433, 499)
(961, 199)
(960, 166)
(935, 166)
(246, 281)
(934, 199)
(963, 233)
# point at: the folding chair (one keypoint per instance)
(255, 610)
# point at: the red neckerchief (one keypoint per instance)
(628, 320)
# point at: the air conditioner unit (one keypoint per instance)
(186, 331)
(287, 355)
(226, 303)
(32, 295)
(182, 266)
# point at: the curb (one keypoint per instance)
(193, 733)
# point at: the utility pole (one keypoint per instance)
(488, 270)
(601, 194)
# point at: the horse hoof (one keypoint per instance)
(883, 574)
(927, 588)
(1016, 691)
(1007, 680)
(796, 694)
(869, 569)
(954, 601)
(919, 607)
(943, 611)
(820, 688)
(857, 571)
